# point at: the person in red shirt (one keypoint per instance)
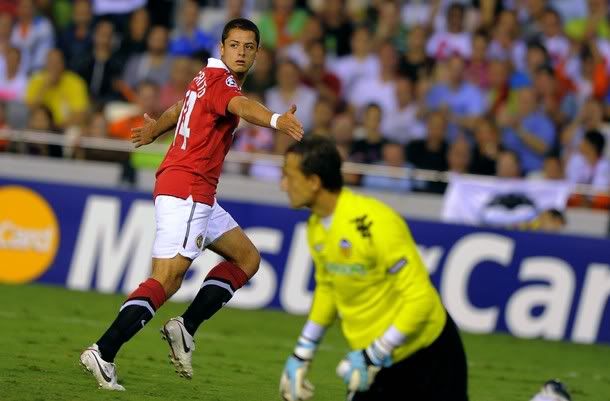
(188, 217)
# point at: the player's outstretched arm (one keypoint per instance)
(152, 129)
(256, 113)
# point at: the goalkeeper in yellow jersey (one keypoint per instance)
(369, 275)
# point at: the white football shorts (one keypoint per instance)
(185, 227)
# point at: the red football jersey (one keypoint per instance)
(202, 138)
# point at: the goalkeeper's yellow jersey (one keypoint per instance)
(369, 273)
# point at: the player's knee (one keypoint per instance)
(169, 276)
(251, 260)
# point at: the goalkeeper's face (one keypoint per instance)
(301, 189)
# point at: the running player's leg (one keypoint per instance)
(176, 220)
(241, 262)
(224, 237)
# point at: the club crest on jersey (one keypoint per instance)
(346, 247)
(318, 247)
(231, 82)
(199, 241)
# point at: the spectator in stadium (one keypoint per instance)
(4, 143)
(461, 101)
(76, 40)
(33, 35)
(526, 130)
(508, 165)
(486, 148)
(499, 89)
(361, 63)
(282, 25)
(232, 9)
(298, 51)
(589, 166)
(595, 24)
(407, 341)
(404, 125)
(415, 63)
(557, 100)
(458, 156)
(146, 102)
(41, 120)
(369, 148)
(6, 29)
(262, 77)
(429, 153)
(555, 42)
(393, 155)
(97, 127)
(323, 113)
(13, 80)
(188, 38)
(552, 168)
(343, 126)
(62, 91)
(154, 64)
(289, 90)
(99, 66)
(477, 70)
(380, 89)
(388, 26)
(455, 41)
(531, 18)
(592, 78)
(506, 43)
(179, 79)
(590, 117)
(337, 28)
(318, 77)
(536, 56)
(134, 40)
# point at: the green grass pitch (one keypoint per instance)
(240, 355)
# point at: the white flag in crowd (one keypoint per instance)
(493, 201)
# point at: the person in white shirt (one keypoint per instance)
(454, 41)
(13, 80)
(555, 42)
(33, 35)
(289, 90)
(403, 125)
(589, 166)
(379, 89)
(359, 65)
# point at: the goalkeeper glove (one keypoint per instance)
(359, 368)
(293, 384)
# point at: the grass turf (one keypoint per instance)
(240, 355)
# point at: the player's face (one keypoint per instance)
(300, 188)
(238, 51)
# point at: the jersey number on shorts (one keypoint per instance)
(185, 116)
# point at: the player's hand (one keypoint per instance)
(290, 125)
(359, 368)
(293, 384)
(143, 135)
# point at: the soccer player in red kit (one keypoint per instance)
(188, 217)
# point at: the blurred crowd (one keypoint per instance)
(513, 88)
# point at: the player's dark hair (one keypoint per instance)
(597, 140)
(319, 156)
(243, 24)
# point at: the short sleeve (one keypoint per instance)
(224, 89)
